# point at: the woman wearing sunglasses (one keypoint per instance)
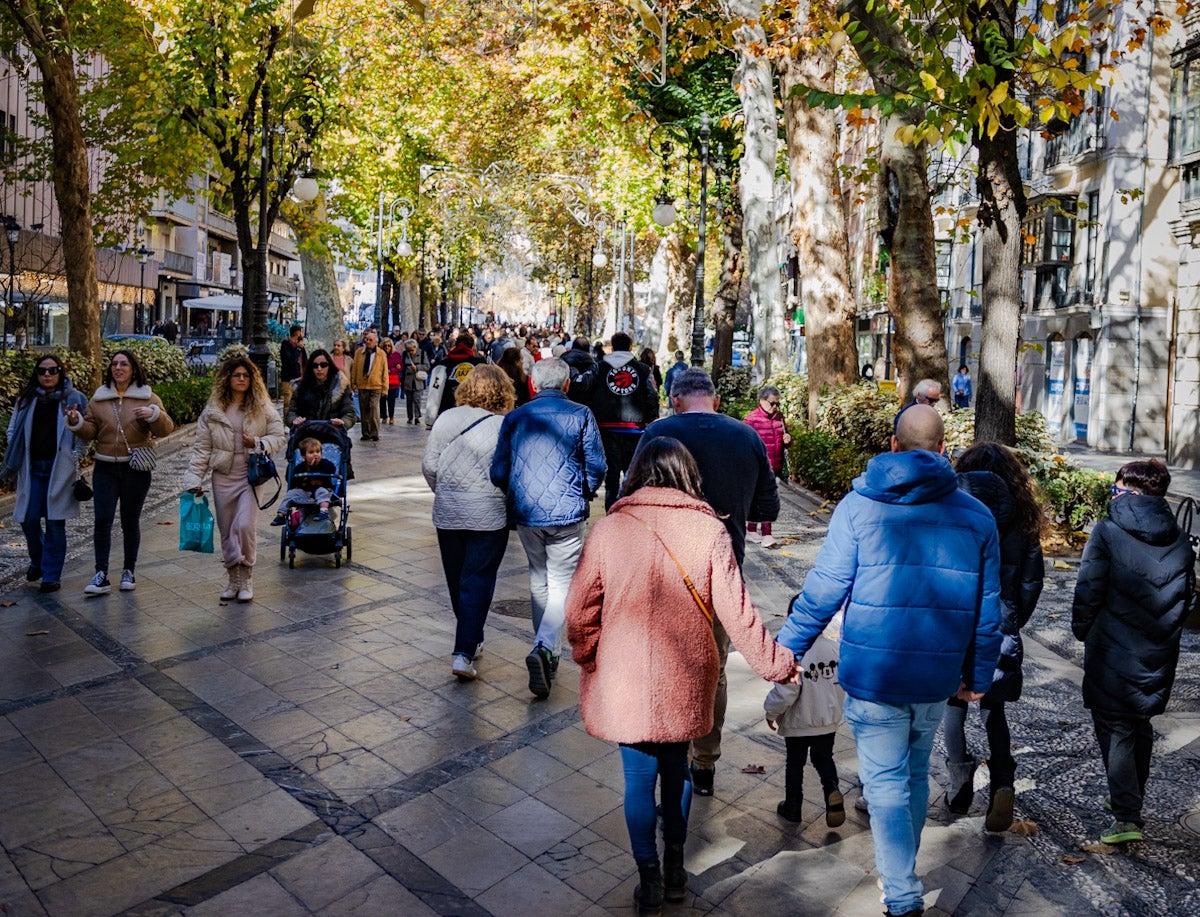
(42, 454)
(239, 419)
(321, 395)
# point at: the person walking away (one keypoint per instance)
(368, 378)
(291, 362)
(395, 366)
(122, 415)
(904, 650)
(514, 368)
(448, 374)
(806, 714)
(767, 421)
(644, 643)
(43, 455)
(1136, 588)
(679, 366)
(469, 511)
(549, 461)
(993, 475)
(960, 387)
(415, 372)
(648, 357)
(738, 484)
(620, 391)
(238, 420)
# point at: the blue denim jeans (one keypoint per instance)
(894, 741)
(553, 556)
(48, 549)
(471, 560)
(643, 764)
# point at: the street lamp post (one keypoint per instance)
(143, 255)
(404, 249)
(12, 232)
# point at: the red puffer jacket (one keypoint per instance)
(770, 429)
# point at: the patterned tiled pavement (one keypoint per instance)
(309, 753)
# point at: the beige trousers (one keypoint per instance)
(236, 514)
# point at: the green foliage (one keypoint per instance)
(824, 463)
(184, 399)
(860, 414)
(793, 398)
(16, 367)
(160, 360)
(735, 384)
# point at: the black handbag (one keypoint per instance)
(82, 490)
(260, 469)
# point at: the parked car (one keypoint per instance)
(743, 349)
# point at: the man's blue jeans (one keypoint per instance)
(894, 741)
(643, 763)
(48, 551)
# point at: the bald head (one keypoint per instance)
(919, 427)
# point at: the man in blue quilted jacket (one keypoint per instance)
(916, 562)
(550, 462)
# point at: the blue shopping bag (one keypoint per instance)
(195, 524)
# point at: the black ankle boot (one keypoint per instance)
(674, 875)
(648, 896)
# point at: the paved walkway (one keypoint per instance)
(310, 753)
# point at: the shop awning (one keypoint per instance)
(213, 303)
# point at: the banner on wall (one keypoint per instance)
(1083, 386)
(1056, 379)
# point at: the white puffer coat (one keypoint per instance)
(214, 447)
(457, 459)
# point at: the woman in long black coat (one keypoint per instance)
(993, 475)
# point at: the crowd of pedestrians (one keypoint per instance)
(912, 612)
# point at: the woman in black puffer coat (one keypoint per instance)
(1135, 590)
(993, 475)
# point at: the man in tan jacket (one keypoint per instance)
(369, 378)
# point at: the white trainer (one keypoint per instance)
(768, 541)
(754, 537)
(463, 668)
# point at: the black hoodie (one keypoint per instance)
(1135, 589)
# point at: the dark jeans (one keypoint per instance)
(387, 404)
(471, 560)
(618, 453)
(820, 748)
(643, 764)
(1001, 765)
(113, 483)
(1125, 746)
(47, 550)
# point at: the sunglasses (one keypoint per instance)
(47, 370)
(321, 365)
(773, 404)
(239, 375)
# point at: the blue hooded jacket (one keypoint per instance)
(916, 561)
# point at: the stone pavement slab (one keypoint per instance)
(309, 753)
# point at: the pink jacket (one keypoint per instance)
(648, 655)
(770, 429)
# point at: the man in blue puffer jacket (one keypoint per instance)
(916, 562)
(549, 461)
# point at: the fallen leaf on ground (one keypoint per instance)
(166, 523)
(404, 719)
(754, 769)
(37, 633)
(786, 554)
(1072, 859)
(7, 604)
(1106, 849)
(1061, 565)
(1024, 828)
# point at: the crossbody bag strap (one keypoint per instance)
(705, 607)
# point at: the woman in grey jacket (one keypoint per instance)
(42, 454)
(468, 510)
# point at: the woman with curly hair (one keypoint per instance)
(468, 510)
(240, 418)
(992, 474)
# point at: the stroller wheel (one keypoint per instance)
(292, 559)
(282, 546)
(347, 545)
(337, 559)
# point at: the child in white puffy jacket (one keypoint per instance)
(807, 715)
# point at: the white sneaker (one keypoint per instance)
(127, 581)
(768, 541)
(99, 584)
(463, 668)
(754, 537)
(478, 651)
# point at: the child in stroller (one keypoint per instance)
(311, 482)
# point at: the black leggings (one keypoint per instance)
(113, 483)
(387, 404)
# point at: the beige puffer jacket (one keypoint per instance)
(99, 422)
(215, 443)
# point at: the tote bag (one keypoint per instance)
(195, 524)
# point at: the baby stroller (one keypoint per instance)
(302, 531)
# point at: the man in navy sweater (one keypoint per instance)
(739, 484)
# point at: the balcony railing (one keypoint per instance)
(1084, 135)
(178, 263)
